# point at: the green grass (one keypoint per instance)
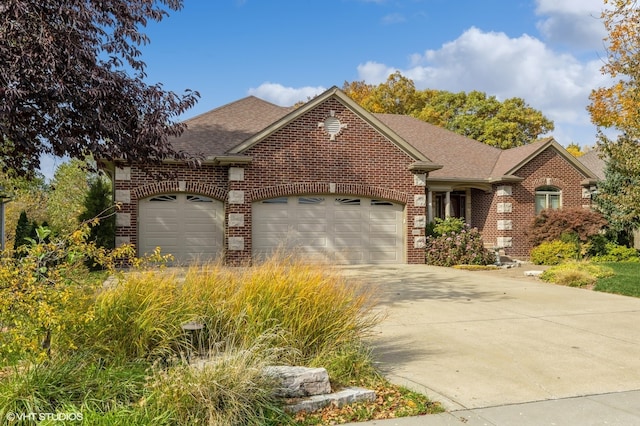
(626, 280)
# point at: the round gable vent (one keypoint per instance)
(332, 125)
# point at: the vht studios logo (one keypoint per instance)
(40, 417)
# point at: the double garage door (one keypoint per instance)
(345, 230)
(335, 229)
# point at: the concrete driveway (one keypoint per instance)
(488, 338)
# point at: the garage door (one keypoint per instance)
(345, 230)
(188, 226)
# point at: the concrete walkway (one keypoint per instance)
(500, 348)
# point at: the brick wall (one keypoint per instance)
(298, 159)
(549, 168)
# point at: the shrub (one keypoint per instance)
(550, 224)
(23, 231)
(447, 226)
(41, 298)
(139, 317)
(313, 306)
(455, 248)
(576, 274)
(553, 253)
(616, 253)
(575, 278)
(310, 311)
(229, 389)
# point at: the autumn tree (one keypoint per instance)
(505, 124)
(617, 107)
(68, 189)
(29, 195)
(575, 150)
(72, 82)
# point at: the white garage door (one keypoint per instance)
(343, 230)
(190, 227)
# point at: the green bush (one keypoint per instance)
(616, 253)
(553, 253)
(463, 247)
(446, 226)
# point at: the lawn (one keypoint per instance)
(626, 280)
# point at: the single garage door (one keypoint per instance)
(188, 226)
(344, 230)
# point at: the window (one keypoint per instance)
(281, 200)
(311, 200)
(548, 197)
(169, 198)
(348, 201)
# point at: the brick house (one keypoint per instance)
(337, 183)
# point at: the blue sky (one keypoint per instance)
(548, 52)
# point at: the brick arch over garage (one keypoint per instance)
(324, 188)
(175, 186)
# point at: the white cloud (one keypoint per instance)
(574, 23)
(285, 96)
(556, 84)
(374, 72)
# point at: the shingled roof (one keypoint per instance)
(594, 161)
(512, 159)
(461, 157)
(217, 131)
(232, 128)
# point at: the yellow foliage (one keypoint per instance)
(575, 150)
(42, 291)
(616, 106)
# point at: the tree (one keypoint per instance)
(98, 206)
(398, 95)
(28, 194)
(506, 124)
(72, 83)
(616, 107)
(68, 190)
(614, 205)
(23, 231)
(575, 150)
(484, 118)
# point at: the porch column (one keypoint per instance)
(447, 205)
(429, 206)
(467, 214)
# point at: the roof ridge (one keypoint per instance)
(231, 104)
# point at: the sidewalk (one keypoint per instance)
(617, 409)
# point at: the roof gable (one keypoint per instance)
(337, 94)
(512, 160)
